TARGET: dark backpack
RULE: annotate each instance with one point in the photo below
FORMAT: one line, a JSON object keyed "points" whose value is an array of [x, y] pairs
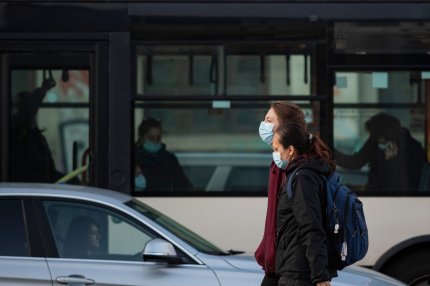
{"points": [[347, 239]]}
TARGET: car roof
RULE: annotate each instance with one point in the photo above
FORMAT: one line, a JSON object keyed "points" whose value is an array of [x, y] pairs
{"points": [[63, 191]]}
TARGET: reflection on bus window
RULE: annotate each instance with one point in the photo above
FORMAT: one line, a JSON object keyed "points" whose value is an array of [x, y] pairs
{"points": [[41, 142]]}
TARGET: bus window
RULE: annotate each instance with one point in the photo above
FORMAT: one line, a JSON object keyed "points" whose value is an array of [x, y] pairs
{"points": [[379, 132], [49, 124], [268, 74], [379, 87], [228, 70], [216, 150], [176, 70], [209, 142]]}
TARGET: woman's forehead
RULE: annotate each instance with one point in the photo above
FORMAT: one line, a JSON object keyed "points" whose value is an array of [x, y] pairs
{"points": [[275, 139], [271, 114]]}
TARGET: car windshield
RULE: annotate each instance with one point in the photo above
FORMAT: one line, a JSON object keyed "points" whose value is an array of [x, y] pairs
{"points": [[176, 228]]}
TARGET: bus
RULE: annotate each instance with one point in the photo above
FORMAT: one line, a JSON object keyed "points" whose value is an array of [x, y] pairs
{"points": [[81, 76]]}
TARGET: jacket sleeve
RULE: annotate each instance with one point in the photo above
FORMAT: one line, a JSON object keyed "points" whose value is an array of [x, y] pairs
{"points": [[307, 209], [357, 160]]}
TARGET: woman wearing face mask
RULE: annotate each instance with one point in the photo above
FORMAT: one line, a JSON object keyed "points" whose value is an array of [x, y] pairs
{"points": [[157, 169], [279, 114], [301, 251]]}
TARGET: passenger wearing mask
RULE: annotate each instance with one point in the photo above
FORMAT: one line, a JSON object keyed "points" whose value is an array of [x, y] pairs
{"points": [[395, 158], [157, 169]]}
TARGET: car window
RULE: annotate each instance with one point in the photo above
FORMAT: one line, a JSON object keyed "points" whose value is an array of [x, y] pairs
{"points": [[176, 228], [86, 231], [13, 240]]}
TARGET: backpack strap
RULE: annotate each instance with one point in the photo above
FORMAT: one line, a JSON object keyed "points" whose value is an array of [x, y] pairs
{"points": [[290, 183]]}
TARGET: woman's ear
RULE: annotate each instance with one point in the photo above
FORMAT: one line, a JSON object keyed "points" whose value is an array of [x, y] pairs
{"points": [[291, 152]]}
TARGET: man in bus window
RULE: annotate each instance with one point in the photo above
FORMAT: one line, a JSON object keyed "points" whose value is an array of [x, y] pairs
{"points": [[395, 158]]}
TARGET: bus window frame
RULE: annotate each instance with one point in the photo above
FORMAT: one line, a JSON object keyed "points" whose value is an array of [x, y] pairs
{"points": [[30, 54]]}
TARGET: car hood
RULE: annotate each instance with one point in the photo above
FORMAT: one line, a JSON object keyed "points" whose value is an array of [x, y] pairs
{"points": [[245, 262]]}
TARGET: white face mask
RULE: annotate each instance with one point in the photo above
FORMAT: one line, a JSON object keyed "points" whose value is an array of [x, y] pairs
{"points": [[282, 164], [266, 132]]}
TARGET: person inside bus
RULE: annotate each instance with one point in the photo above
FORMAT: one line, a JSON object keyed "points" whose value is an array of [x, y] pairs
{"points": [[301, 249], [31, 158], [394, 157], [279, 114], [159, 168]]}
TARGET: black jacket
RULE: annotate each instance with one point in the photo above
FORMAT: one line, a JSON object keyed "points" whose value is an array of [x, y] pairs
{"points": [[301, 251], [31, 158]]}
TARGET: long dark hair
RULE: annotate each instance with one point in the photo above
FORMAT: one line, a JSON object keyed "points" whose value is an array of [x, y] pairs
{"points": [[76, 241], [148, 123], [296, 135], [383, 125], [288, 112]]}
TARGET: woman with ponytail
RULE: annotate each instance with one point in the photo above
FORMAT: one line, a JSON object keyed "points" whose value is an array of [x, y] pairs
{"points": [[280, 113], [301, 251]]}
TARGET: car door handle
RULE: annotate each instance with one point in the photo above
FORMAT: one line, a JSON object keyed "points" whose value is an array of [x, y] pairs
{"points": [[75, 280]]}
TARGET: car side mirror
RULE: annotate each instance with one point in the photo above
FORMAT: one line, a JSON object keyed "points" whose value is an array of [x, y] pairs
{"points": [[160, 250]]}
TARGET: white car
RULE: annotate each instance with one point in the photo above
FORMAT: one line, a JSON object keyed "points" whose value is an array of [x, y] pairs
{"points": [[75, 235]]}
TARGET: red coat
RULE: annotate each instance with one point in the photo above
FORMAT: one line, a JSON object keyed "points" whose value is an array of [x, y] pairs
{"points": [[266, 251]]}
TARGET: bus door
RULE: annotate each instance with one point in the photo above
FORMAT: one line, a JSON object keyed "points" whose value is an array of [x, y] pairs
{"points": [[48, 114]]}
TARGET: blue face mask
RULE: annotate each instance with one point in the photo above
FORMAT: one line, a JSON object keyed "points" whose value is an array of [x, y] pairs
{"points": [[282, 164], [139, 183], [382, 146], [152, 147], [266, 132]]}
